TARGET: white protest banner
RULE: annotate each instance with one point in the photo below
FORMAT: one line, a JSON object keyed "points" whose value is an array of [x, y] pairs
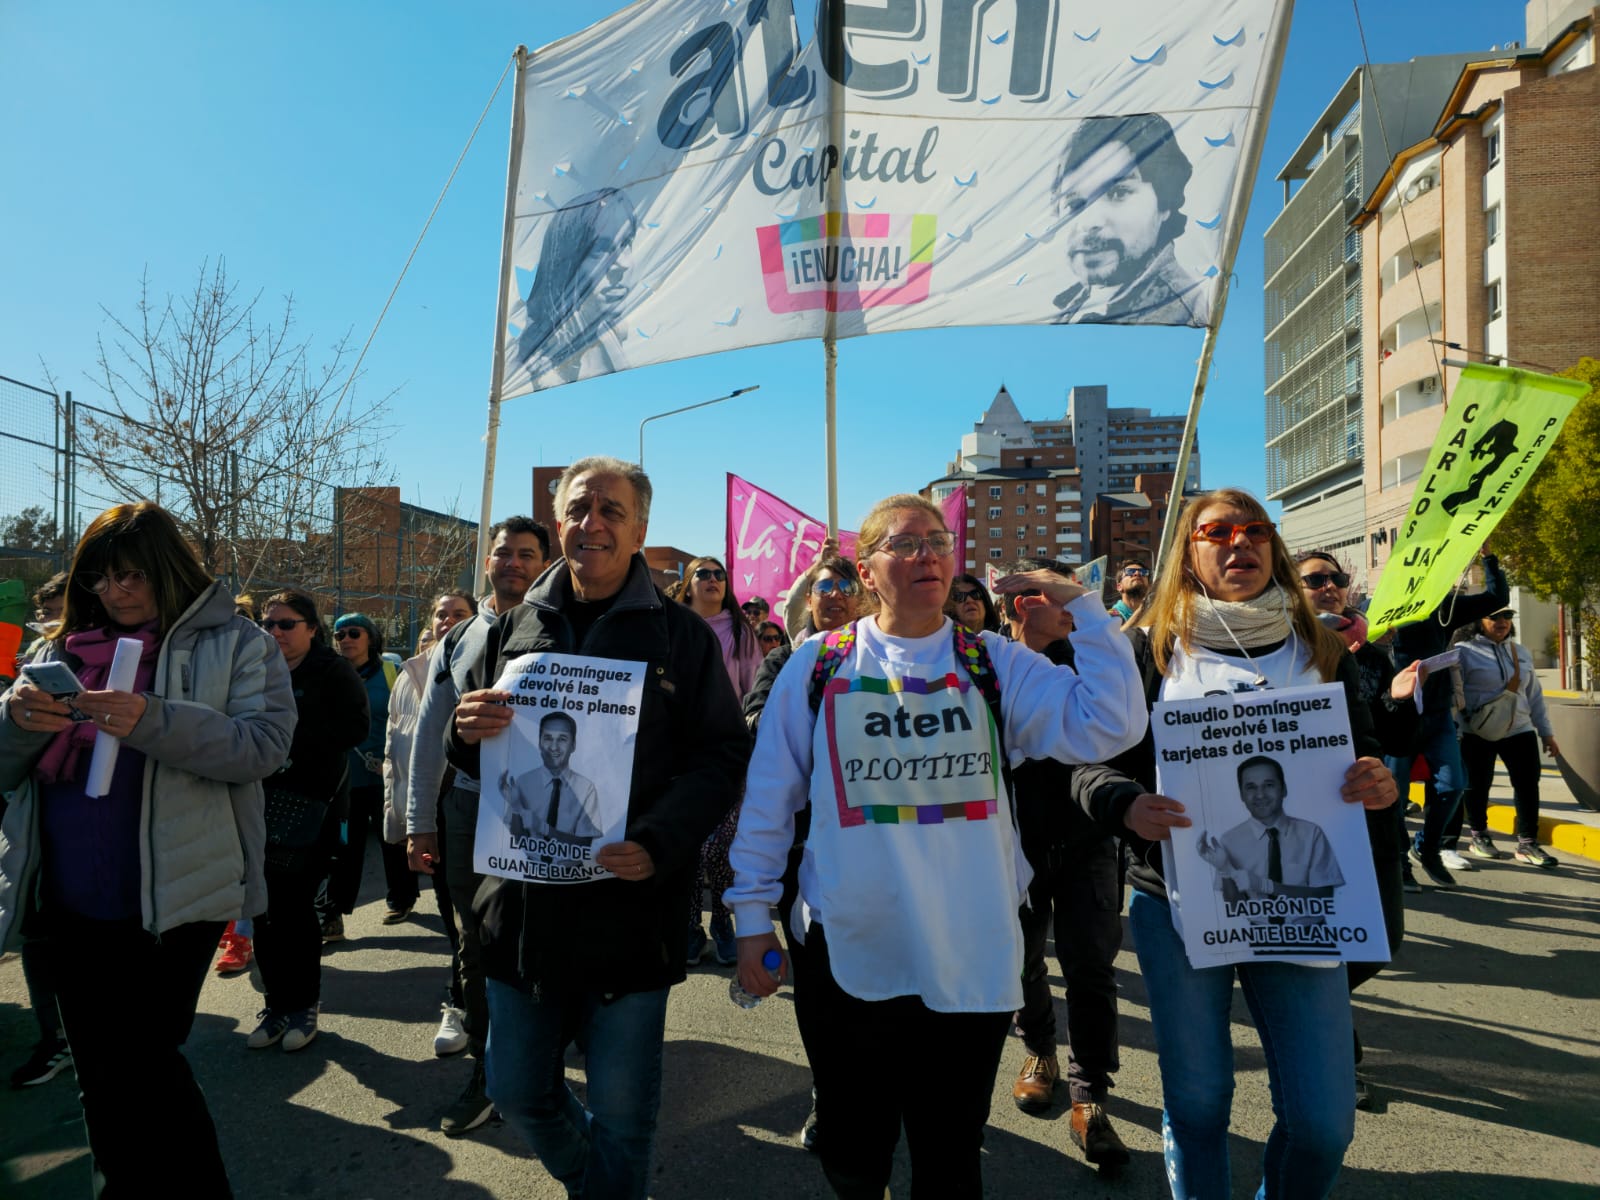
{"points": [[1093, 573], [556, 783], [1276, 865], [694, 176]]}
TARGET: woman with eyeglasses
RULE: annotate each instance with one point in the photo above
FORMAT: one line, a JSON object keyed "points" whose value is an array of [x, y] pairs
{"points": [[1230, 615], [971, 606], [709, 592], [1388, 695], [133, 887], [891, 730], [332, 703], [1493, 664]]}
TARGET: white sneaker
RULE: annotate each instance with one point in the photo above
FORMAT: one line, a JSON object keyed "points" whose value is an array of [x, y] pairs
{"points": [[452, 1036], [1454, 861]]}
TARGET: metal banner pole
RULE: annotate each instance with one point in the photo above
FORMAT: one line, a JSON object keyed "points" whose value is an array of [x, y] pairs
{"points": [[834, 216], [491, 435], [1238, 208]]}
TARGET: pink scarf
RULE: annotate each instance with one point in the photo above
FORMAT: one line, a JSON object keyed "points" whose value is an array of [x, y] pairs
{"points": [[1352, 627], [94, 648]]}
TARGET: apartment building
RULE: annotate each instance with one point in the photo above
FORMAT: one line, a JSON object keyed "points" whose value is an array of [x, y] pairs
{"points": [[1068, 487], [1480, 235], [1316, 296]]}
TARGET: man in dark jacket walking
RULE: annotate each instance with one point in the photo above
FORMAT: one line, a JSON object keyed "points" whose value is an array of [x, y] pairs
{"points": [[593, 962]]}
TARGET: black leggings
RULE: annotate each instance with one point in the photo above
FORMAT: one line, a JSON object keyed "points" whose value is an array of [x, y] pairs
{"points": [[1520, 753]]}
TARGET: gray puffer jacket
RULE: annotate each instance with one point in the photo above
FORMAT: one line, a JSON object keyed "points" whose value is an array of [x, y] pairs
{"points": [[219, 718]]}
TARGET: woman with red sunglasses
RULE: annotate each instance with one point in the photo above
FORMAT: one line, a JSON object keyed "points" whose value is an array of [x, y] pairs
{"points": [[1231, 615]]}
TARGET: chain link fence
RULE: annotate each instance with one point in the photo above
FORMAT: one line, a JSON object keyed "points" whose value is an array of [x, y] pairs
{"points": [[355, 548]]}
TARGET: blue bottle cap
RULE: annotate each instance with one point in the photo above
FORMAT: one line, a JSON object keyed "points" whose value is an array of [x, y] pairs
{"points": [[771, 960]]}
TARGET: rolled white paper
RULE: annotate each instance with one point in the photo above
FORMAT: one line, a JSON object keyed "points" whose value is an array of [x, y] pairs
{"points": [[124, 670]]}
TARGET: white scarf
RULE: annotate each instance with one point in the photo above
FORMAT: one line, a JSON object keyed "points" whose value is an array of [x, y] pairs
{"points": [[1225, 624]]}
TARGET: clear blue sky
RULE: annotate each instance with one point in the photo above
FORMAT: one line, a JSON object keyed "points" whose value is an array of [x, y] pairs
{"points": [[305, 143]]}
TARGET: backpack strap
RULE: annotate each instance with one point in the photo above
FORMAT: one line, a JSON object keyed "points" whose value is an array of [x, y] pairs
{"points": [[974, 656], [837, 645]]}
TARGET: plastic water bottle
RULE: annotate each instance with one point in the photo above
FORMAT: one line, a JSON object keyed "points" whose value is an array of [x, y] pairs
{"points": [[771, 960]]}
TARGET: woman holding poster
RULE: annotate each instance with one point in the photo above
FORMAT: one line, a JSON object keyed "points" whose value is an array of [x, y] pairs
{"points": [[898, 730], [1230, 617], [132, 883]]}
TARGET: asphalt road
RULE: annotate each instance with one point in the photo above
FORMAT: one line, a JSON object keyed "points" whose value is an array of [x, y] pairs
{"points": [[1483, 1044]]}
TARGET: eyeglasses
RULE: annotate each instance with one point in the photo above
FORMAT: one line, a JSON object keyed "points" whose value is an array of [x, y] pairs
{"points": [[284, 624], [1318, 580], [716, 573], [1503, 615], [1222, 533], [1135, 571], [962, 595], [773, 638], [101, 584], [909, 545], [341, 634], [827, 587]]}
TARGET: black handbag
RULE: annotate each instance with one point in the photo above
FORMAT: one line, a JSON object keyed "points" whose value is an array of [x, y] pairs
{"points": [[294, 828]]}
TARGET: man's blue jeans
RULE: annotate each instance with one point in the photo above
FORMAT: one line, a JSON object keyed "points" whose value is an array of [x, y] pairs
{"points": [[1303, 1016], [1436, 742], [602, 1152]]}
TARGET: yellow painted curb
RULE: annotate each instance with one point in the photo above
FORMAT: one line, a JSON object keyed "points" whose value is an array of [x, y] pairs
{"points": [[1573, 837]]}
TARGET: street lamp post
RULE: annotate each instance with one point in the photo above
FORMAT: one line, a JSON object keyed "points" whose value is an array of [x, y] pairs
{"points": [[672, 412]]}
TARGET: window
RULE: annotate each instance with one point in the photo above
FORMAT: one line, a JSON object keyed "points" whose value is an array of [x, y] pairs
{"points": [[1492, 297], [1038, 489], [994, 514], [1022, 532], [1491, 145], [1022, 489], [1491, 224], [1042, 530], [1042, 551], [995, 552], [1022, 510], [995, 531], [1039, 510]]}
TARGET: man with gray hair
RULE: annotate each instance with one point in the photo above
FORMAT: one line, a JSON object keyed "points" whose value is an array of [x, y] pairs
{"points": [[593, 961]]}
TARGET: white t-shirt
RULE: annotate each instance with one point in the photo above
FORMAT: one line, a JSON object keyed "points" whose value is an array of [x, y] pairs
{"points": [[913, 864]]}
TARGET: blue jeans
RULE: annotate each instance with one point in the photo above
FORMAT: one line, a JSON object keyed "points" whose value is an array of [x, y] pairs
{"points": [[1303, 1016], [1436, 742], [601, 1152]]}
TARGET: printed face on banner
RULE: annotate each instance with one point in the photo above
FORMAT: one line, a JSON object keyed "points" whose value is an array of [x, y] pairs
{"points": [[1276, 866], [683, 187], [556, 783]]}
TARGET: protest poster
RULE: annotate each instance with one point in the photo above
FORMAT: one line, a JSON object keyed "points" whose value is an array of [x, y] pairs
{"points": [[556, 783], [1275, 866]]}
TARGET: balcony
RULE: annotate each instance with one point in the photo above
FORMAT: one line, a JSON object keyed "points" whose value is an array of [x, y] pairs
{"points": [[1400, 299], [1423, 216]]}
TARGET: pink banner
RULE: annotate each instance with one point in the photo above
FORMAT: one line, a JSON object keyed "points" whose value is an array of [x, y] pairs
{"points": [[771, 543]]}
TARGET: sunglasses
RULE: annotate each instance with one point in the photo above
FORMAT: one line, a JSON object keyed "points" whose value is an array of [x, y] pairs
{"points": [[284, 624], [101, 584], [1503, 615], [774, 638], [1135, 571], [827, 587], [340, 635], [1222, 533], [716, 573], [909, 545], [1318, 580], [962, 595]]}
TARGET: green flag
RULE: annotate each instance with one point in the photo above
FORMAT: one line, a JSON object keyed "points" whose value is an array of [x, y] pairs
{"points": [[1498, 428]]}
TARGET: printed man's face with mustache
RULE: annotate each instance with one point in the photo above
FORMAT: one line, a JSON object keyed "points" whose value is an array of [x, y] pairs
{"points": [[1113, 219]]}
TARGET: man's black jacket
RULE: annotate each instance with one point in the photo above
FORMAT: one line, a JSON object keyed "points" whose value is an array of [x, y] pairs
{"points": [[616, 936]]}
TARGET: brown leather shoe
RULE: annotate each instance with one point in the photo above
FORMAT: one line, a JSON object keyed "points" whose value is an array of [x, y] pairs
{"points": [[1093, 1134], [1035, 1087]]}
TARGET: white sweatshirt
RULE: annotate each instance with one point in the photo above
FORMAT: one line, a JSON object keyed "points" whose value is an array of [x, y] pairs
{"points": [[913, 863]]}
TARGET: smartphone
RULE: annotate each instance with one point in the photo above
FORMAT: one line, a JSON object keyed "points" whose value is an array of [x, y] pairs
{"points": [[57, 679]]}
